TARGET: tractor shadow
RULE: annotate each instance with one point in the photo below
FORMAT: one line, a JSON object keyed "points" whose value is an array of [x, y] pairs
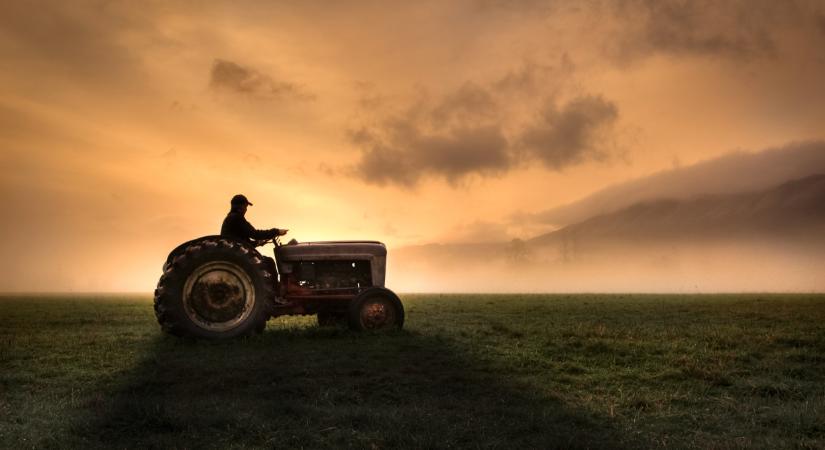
{"points": [[321, 388]]}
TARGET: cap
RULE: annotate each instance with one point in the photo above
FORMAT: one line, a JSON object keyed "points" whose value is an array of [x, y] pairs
{"points": [[240, 200]]}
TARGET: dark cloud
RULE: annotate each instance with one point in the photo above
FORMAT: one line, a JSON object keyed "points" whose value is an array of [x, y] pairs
{"points": [[233, 77], [736, 29], [468, 104], [569, 135], [521, 7], [452, 137], [368, 98], [731, 29], [70, 40], [819, 19], [462, 135], [485, 129], [401, 153], [532, 77]]}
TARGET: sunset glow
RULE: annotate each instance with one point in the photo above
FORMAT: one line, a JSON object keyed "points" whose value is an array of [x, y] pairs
{"points": [[126, 127]]}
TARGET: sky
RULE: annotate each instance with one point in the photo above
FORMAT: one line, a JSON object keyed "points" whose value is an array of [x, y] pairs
{"points": [[126, 127]]}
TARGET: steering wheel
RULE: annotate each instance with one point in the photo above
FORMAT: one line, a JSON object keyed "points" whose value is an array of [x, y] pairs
{"points": [[275, 240], [262, 242]]}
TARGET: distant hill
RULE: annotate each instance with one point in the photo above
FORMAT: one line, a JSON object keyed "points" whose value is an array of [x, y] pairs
{"points": [[794, 210], [765, 240], [789, 210], [737, 172]]}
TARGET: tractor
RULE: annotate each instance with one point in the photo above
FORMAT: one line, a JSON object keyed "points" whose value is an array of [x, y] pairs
{"points": [[216, 287]]}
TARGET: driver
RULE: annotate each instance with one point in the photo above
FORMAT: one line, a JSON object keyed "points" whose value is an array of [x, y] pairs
{"points": [[236, 226]]}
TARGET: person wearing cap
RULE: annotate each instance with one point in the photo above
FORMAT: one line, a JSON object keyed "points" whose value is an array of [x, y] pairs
{"points": [[236, 226]]}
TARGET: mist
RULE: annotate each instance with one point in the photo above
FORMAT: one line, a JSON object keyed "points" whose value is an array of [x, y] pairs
{"points": [[679, 267], [767, 240]]}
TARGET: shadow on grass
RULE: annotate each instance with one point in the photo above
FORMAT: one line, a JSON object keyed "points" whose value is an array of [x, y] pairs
{"points": [[316, 387]]}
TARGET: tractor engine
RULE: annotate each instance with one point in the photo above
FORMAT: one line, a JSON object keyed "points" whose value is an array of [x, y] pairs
{"points": [[330, 268]]}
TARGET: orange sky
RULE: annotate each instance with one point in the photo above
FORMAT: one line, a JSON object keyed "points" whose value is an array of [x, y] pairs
{"points": [[126, 127]]}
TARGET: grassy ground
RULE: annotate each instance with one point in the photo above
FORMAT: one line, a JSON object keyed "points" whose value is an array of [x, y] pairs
{"points": [[492, 371]]}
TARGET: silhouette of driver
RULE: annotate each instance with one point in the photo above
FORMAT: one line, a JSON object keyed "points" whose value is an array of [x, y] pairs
{"points": [[236, 226]]}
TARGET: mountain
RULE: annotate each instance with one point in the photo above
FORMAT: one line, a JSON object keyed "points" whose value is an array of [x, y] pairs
{"points": [[793, 209], [765, 240], [737, 172], [789, 210]]}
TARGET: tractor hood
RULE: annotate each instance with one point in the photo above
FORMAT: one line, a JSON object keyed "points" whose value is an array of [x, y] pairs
{"points": [[372, 251]]}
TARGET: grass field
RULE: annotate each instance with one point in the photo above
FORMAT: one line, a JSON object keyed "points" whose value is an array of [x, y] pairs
{"points": [[489, 371]]}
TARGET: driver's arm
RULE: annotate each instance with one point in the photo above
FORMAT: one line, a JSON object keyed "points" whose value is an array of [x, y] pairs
{"points": [[260, 235]]}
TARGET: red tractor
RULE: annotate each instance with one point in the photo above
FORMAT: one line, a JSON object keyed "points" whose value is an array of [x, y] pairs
{"points": [[214, 287]]}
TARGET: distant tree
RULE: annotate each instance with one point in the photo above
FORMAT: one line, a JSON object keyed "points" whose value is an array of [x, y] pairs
{"points": [[568, 248], [518, 251]]}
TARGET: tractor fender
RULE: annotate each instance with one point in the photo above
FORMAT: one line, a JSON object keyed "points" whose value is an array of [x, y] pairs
{"points": [[180, 248]]}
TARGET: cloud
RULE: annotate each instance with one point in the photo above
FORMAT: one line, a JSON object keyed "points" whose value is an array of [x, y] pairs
{"points": [[75, 41], [531, 77], [629, 30], [232, 77], [819, 20], [569, 135], [402, 153], [736, 30], [484, 130], [691, 27], [467, 104], [454, 137], [521, 7]]}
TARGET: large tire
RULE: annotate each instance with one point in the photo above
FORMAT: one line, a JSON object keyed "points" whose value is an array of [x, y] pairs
{"points": [[376, 309], [215, 288]]}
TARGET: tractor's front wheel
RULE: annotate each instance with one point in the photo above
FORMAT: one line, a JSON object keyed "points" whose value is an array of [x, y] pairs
{"points": [[376, 309]]}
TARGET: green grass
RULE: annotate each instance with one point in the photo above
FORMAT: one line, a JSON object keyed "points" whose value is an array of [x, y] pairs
{"points": [[489, 371]]}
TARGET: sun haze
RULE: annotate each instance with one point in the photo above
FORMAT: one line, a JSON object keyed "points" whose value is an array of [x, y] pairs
{"points": [[554, 135]]}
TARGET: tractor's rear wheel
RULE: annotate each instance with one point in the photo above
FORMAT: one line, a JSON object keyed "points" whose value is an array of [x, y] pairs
{"points": [[376, 309], [215, 288]]}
